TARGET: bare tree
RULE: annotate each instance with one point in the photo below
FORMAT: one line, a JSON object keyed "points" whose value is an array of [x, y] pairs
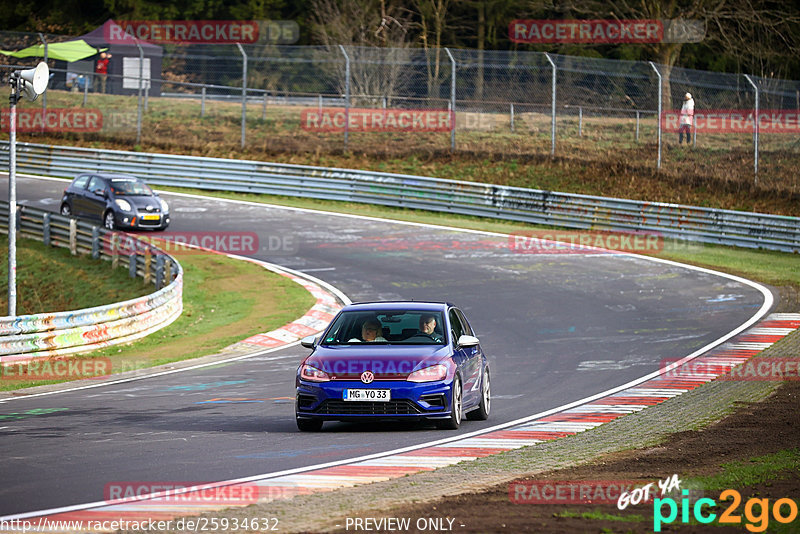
{"points": [[358, 25], [433, 18]]}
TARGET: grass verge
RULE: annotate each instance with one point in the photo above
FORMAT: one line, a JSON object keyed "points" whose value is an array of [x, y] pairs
{"points": [[52, 280], [220, 307]]}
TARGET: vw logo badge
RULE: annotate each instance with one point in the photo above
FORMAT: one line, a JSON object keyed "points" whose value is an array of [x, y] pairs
{"points": [[367, 377]]}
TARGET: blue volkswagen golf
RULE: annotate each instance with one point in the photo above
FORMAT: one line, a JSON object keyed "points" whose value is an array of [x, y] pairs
{"points": [[394, 361]]}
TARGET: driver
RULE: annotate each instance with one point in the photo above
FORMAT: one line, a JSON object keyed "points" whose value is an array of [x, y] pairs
{"points": [[369, 332], [427, 326]]}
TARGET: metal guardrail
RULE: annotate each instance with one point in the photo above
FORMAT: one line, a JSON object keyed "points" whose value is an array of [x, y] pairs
{"points": [[48, 334], [724, 227]]}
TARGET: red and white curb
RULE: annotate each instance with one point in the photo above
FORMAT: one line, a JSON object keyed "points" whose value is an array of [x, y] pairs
{"points": [[172, 505]]}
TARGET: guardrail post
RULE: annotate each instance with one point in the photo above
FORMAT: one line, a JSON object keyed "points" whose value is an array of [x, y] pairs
{"points": [[552, 107], [159, 271], [46, 229], [167, 271], [95, 242], [114, 242], [452, 100], [148, 258], [139, 95], [203, 102], [244, 90], [660, 88], [755, 129], [73, 236], [346, 95], [132, 260]]}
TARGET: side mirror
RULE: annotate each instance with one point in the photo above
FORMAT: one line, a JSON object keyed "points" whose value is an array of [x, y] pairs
{"points": [[100, 193], [468, 341], [309, 342]]}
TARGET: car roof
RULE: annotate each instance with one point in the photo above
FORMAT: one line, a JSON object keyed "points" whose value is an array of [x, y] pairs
{"points": [[117, 176], [397, 305]]}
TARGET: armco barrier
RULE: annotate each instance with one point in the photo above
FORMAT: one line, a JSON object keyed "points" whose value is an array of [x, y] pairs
{"points": [[27, 337], [692, 223]]}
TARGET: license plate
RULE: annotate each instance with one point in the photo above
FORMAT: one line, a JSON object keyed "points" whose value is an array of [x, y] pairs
{"points": [[374, 395], [151, 217]]}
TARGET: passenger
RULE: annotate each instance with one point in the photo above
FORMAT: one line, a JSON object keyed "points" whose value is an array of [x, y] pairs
{"points": [[369, 332]]}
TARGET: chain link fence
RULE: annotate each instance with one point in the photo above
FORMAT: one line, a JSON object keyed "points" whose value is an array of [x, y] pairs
{"points": [[326, 99]]}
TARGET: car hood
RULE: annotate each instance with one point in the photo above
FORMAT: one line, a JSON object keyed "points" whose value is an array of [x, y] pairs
{"points": [[384, 361]]}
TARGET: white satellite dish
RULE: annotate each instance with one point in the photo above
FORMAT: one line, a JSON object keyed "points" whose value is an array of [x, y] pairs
{"points": [[34, 81]]}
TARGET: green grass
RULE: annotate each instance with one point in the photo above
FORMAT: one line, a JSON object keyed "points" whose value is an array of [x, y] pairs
{"points": [[753, 471], [225, 301], [50, 279], [598, 515]]}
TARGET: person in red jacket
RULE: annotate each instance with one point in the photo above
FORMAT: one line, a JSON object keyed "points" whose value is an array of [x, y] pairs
{"points": [[102, 70]]}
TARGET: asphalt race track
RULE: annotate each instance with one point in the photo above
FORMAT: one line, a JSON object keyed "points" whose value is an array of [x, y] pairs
{"points": [[557, 327]]}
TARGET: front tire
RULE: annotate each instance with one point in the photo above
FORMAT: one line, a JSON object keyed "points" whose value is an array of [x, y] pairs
{"points": [[66, 210], [481, 413], [309, 425], [108, 220], [454, 421]]}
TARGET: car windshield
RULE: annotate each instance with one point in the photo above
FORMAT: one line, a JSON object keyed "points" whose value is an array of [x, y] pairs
{"points": [[130, 186], [393, 327]]}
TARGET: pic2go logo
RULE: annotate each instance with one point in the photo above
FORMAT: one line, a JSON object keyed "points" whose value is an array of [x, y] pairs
{"points": [[757, 521]]}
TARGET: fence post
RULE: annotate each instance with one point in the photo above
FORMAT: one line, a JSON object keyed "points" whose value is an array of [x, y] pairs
{"points": [[132, 259], [95, 242], [203, 102], [44, 95], [452, 100], [85, 91], [755, 129], [244, 90], [580, 121], [694, 131], [159, 271], [46, 229], [139, 98], [552, 107], [319, 104], [264, 107], [637, 126], [512, 117], [73, 236], [653, 65], [346, 95]]}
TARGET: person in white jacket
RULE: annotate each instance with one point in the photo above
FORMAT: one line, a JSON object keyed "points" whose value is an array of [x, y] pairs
{"points": [[687, 116]]}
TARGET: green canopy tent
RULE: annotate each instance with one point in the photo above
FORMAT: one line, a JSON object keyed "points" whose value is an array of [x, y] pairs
{"points": [[69, 51]]}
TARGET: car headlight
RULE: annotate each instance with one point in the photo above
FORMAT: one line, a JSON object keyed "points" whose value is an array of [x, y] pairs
{"points": [[308, 372], [124, 205], [164, 205], [429, 374]]}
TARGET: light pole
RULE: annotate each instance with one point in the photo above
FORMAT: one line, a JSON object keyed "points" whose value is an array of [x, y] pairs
{"points": [[29, 83]]}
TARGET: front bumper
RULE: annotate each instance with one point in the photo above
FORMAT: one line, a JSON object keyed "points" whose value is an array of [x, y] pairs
{"points": [[142, 221], [409, 401]]}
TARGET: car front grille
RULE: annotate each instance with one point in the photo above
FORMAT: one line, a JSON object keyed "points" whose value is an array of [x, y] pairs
{"points": [[340, 407]]}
